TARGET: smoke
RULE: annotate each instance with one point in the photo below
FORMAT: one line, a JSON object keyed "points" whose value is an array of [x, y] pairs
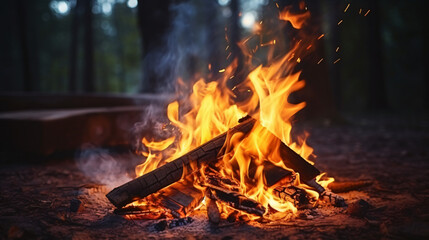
{"points": [[186, 48], [99, 165]]}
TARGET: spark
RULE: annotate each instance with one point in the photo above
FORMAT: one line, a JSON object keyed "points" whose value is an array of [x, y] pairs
{"points": [[309, 46], [348, 5], [320, 36], [336, 50], [298, 60], [277, 5], [222, 70], [210, 66], [320, 61], [267, 44], [336, 61], [360, 11], [226, 47], [367, 12], [339, 22]]}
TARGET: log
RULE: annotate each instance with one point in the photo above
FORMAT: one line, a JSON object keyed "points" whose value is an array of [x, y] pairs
{"points": [[235, 200], [181, 199], [276, 175], [341, 187], [208, 152], [293, 194], [172, 171], [213, 211]]}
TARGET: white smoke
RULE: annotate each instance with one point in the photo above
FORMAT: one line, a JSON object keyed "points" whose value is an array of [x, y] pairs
{"points": [[99, 165]]}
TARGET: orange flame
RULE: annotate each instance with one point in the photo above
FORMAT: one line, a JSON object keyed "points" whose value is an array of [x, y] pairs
{"points": [[296, 19], [211, 109]]}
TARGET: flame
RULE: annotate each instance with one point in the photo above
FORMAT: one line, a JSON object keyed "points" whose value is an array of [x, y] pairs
{"points": [[296, 19], [212, 108]]}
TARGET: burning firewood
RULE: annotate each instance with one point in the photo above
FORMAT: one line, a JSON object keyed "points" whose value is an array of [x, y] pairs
{"points": [[173, 171], [235, 200], [293, 194], [181, 199], [209, 152], [333, 199], [213, 211]]}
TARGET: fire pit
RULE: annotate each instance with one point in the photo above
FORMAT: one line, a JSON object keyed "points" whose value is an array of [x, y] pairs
{"points": [[228, 149]]}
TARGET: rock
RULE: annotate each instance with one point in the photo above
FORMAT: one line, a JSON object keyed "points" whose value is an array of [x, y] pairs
{"points": [[359, 208]]}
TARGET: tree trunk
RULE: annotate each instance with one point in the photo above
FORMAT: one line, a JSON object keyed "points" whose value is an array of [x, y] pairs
{"points": [[333, 41], [376, 85], [21, 8], [233, 40], [76, 13], [153, 21], [88, 51]]}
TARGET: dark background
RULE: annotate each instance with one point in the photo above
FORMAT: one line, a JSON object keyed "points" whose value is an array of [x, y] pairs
{"points": [[130, 46]]}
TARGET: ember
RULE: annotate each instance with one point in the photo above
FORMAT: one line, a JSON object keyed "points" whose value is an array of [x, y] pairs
{"points": [[235, 146]]}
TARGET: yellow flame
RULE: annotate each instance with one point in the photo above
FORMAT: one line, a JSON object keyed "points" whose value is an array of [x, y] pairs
{"points": [[211, 109]]}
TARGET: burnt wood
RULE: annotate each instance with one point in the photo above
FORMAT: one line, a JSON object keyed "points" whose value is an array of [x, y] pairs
{"points": [[210, 151], [181, 199], [173, 171], [235, 200], [293, 194]]}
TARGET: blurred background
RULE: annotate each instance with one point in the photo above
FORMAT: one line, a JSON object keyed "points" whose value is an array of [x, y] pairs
{"points": [[371, 57], [118, 46]]}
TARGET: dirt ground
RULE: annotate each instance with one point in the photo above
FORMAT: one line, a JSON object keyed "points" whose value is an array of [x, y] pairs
{"points": [[36, 200]]}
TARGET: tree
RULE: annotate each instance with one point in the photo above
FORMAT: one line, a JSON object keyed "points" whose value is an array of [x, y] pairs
{"points": [[376, 85], [76, 13], [153, 22], [28, 54], [88, 48]]}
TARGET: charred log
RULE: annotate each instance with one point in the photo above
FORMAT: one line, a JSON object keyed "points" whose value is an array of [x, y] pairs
{"points": [[209, 152], [173, 171], [293, 194], [235, 200], [181, 199], [213, 211]]}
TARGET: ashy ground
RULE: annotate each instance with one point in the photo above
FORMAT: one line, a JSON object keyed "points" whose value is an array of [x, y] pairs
{"points": [[36, 200]]}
